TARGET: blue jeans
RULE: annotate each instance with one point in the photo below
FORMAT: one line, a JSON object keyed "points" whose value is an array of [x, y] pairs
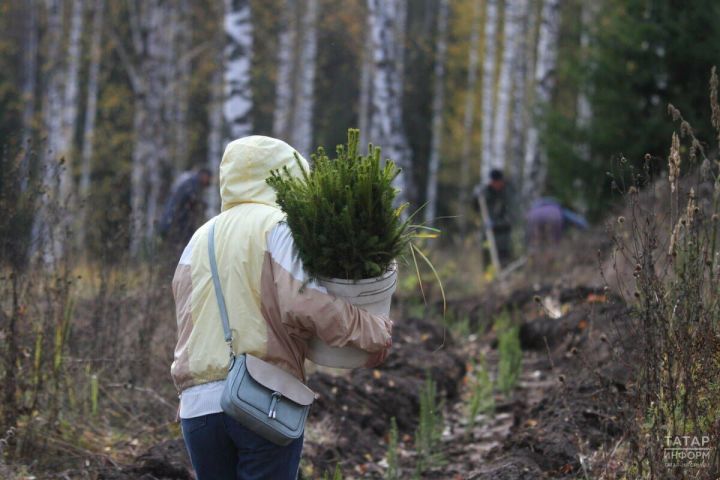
{"points": [[220, 448]]}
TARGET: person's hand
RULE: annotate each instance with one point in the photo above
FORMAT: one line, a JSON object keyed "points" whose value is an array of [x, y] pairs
{"points": [[377, 358]]}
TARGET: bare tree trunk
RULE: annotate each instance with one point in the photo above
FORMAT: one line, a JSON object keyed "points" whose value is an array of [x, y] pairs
{"points": [[437, 111], [90, 114], [535, 169], [302, 132], [215, 139], [286, 65], [181, 40], [366, 77], [469, 116], [149, 80], [515, 11], [521, 77], [386, 123], [60, 119], [488, 94], [30, 66], [238, 57], [584, 108]]}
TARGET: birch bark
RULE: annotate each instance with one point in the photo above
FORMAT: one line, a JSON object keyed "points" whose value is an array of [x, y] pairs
{"points": [[238, 56], [286, 62], [515, 11], [535, 168], [488, 89], [437, 111], [302, 132], [386, 124], [152, 43], [521, 80], [215, 139], [90, 114]]}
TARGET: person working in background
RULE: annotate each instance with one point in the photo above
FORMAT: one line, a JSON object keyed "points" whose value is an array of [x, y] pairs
{"points": [[184, 210], [497, 195], [546, 219]]}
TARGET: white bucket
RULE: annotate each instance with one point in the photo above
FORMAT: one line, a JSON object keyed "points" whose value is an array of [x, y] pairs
{"points": [[373, 295]]}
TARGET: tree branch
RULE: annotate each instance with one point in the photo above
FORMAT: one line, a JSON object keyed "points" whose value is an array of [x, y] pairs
{"points": [[135, 79]]}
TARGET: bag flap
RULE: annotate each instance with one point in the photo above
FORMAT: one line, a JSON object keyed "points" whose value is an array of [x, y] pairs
{"points": [[278, 380]]}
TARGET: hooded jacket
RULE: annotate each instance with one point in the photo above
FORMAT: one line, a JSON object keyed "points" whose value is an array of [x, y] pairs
{"points": [[261, 275]]}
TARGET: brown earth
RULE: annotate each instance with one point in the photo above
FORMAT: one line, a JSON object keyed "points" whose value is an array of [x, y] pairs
{"points": [[563, 420]]}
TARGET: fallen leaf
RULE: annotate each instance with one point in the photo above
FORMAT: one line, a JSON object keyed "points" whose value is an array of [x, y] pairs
{"points": [[582, 324], [531, 422], [377, 374], [595, 298]]}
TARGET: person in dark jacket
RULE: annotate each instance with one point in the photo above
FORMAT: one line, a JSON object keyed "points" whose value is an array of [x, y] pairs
{"points": [[183, 211], [498, 197]]}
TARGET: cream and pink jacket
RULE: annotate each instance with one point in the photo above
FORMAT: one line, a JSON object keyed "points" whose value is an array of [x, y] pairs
{"points": [[270, 315]]}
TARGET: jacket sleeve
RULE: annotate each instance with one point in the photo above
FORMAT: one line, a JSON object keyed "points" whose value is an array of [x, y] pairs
{"points": [[308, 307]]}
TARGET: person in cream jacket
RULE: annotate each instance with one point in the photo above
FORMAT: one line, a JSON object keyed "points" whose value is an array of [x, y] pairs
{"points": [[270, 315]]}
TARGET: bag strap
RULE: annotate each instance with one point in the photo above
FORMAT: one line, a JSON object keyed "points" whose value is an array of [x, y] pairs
{"points": [[218, 290]]}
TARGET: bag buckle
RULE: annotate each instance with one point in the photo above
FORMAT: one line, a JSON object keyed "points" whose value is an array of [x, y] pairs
{"points": [[272, 411]]}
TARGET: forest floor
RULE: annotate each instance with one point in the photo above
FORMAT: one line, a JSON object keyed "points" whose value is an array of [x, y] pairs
{"points": [[563, 420]]}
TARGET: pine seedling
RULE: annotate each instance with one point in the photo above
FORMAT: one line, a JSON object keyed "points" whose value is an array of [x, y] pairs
{"points": [[510, 362], [393, 469], [482, 399], [430, 427]]}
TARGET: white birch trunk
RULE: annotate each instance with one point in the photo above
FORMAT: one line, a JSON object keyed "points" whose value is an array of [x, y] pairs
{"points": [[215, 139], [438, 106], [302, 132], [238, 56], [93, 84], [52, 124], [181, 41], [515, 11], [535, 168], [584, 108], [469, 115], [30, 75], [521, 77], [150, 87], [386, 125], [286, 62], [488, 90], [366, 77], [60, 118]]}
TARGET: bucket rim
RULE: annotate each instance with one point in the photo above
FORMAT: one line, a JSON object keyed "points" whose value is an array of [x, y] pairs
{"points": [[390, 272]]}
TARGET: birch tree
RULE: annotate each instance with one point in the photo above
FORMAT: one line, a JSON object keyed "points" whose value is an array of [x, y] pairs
{"points": [[521, 81], [287, 43], [295, 89], [488, 90], [93, 84], [515, 12], [238, 56], [215, 138], [469, 115], [29, 82], [366, 76], [386, 123], [437, 110], [59, 119], [148, 70], [305, 90], [584, 108], [535, 168]]}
